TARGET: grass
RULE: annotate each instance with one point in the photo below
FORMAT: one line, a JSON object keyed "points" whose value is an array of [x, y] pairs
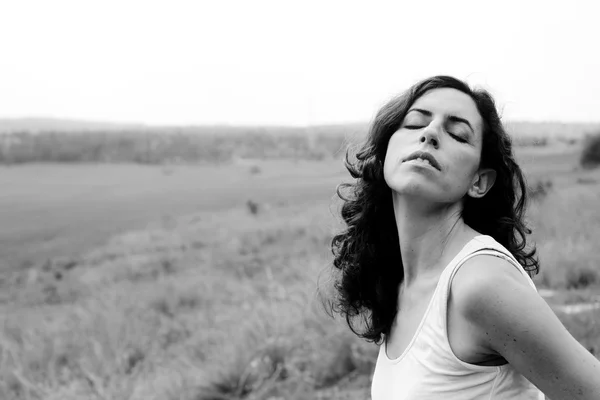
{"points": [[586, 329], [165, 146], [219, 303], [237, 303], [61, 211], [566, 225]]}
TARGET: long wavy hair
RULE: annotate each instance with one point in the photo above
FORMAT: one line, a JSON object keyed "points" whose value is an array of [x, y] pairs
{"points": [[365, 287]]}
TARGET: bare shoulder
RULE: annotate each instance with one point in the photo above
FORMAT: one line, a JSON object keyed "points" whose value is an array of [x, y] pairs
{"points": [[513, 320], [486, 285], [489, 290], [487, 271]]}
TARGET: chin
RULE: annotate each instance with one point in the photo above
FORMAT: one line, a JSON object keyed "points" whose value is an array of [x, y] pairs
{"points": [[413, 187], [425, 192]]}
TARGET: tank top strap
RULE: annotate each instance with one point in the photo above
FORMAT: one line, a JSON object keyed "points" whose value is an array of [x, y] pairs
{"points": [[487, 245], [437, 320], [481, 245]]}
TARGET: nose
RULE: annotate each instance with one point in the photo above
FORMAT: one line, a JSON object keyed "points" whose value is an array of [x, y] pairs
{"points": [[430, 135]]}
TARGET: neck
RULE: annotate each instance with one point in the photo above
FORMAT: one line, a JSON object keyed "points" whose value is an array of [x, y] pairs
{"points": [[428, 235]]}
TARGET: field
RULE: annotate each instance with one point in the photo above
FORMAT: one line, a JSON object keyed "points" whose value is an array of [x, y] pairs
{"points": [[199, 281]]}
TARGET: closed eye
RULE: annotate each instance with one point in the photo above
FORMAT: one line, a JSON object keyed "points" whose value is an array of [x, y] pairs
{"points": [[457, 138]]}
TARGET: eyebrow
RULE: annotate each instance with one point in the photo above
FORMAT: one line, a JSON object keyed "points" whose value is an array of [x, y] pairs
{"points": [[452, 118]]}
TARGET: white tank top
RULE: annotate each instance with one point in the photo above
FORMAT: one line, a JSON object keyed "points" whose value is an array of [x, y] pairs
{"points": [[428, 369]]}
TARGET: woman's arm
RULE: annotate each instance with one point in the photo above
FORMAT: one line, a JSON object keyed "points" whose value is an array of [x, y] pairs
{"points": [[512, 319]]}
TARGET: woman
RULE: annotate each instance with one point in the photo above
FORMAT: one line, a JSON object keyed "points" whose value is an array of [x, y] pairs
{"points": [[434, 264]]}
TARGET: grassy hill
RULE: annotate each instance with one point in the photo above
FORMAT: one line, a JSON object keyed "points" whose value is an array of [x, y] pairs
{"points": [[128, 281]]}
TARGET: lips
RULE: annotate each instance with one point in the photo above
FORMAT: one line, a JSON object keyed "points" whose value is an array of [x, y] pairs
{"points": [[424, 156]]}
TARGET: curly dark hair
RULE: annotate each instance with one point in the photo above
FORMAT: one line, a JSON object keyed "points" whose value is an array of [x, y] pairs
{"points": [[366, 289]]}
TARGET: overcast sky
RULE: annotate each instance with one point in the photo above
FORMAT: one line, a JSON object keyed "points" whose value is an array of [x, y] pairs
{"points": [[290, 62]]}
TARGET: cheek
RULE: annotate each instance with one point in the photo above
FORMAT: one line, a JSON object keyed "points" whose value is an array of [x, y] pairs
{"points": [[391, 155], [388, 166], [467, 165]]}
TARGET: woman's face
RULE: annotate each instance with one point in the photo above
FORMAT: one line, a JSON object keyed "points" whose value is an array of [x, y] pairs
{"points": [[446, 124]]}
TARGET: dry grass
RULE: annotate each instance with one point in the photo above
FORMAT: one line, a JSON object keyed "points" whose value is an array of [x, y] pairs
{"points": [[222, 305], [566, 227], [237, 311]]}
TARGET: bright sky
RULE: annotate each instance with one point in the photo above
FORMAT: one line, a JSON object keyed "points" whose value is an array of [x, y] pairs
{"points": [[290, 62]]}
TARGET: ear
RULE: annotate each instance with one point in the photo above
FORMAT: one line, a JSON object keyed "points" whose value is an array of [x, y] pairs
{"points": [[482, 183]]}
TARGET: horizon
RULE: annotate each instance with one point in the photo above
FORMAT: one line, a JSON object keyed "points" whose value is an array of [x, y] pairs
{"points": [[24, 124], [138, 124]]}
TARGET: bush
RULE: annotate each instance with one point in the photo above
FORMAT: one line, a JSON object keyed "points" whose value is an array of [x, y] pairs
{"points": [[252, 207], [540, 189], [590, 156], [582, 278], [530, 141]]}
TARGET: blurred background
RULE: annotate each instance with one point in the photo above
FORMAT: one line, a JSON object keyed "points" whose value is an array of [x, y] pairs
{"points": [[168, 175]]}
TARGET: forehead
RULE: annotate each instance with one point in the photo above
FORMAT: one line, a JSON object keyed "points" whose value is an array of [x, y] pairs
{"points": [[448, 101]]}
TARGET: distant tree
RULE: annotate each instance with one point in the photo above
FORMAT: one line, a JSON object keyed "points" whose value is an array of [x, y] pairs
{"points": [[6, 142], [590, 156]]}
